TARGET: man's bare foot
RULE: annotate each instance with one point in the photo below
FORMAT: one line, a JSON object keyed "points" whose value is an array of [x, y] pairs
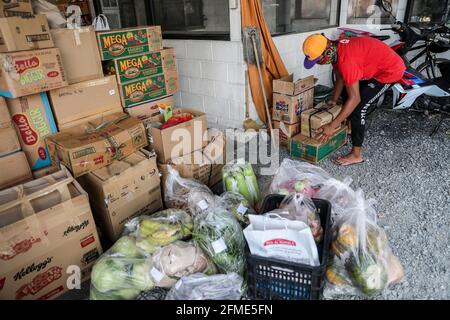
{"points": [[348, 160]]}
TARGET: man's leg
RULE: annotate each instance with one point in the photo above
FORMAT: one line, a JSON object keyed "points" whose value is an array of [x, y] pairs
{"points": [[370, 92]]}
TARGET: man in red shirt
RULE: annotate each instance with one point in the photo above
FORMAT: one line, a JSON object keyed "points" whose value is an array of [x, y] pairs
{"points": [[365, 69]]}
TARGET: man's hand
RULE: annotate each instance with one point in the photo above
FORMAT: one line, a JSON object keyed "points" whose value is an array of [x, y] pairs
{"points": [[325, 133]]}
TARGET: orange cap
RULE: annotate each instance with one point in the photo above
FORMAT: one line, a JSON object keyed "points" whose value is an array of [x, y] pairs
{"points": [[314, 46]]}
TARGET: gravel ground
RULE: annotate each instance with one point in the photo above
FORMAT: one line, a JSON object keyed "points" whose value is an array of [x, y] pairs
{"points": [[408, 173]]}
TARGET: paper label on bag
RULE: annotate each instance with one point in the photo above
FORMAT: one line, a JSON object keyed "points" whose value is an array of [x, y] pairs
{"points": [[156, 274], [112, 92], [242, 209], [203, 205], [178, 284], [219, 246]]}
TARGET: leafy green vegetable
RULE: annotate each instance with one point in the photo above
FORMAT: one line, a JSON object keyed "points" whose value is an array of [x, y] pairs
{"points": [[219, 234]]}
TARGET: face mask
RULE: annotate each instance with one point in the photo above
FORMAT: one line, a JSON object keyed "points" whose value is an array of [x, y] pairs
{"points": [[328, 57]]}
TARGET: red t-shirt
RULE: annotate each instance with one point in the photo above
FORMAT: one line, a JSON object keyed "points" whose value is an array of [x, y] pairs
{"points": [[365, 58]]}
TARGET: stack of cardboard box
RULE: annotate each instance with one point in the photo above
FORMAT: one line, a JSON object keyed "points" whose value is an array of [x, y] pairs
{"points": [[30, 66], [290, 98], [298, 120]]}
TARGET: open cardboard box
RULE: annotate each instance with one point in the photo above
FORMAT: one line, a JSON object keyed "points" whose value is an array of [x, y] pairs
{"points": [[181, 139], [46, 227]]}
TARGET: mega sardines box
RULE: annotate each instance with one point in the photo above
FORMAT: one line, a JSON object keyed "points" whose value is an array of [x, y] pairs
{"points": [[148, 89], [143, 65], [34, 121], [49, 240], [94, 145], [126, 42], [24, 73]]}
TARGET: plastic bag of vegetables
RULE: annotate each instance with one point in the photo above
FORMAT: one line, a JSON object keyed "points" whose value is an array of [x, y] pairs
{"points": [[122, 272], [236, 204], [301, 208], [361, 260], [187, 194], [160, 229], [240, 178], [202, 287], [298, 177], [176, 260], [341, 196], [220, 236]]}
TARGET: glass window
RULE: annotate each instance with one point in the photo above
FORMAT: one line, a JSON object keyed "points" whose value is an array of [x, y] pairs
{"points": [[289, 16], [178, 18], [428, 12], [192, 17], [368, 12]]}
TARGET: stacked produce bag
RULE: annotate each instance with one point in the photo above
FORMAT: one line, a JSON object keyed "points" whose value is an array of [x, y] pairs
{"points": [[195, 239], [361, 261]]}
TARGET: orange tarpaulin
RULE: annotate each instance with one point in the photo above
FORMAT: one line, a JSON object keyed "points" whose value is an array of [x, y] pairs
{"points": [[272, 65]]}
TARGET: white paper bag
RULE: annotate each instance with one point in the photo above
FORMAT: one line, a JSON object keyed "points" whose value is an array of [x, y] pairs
{"points": [[275, 237]]}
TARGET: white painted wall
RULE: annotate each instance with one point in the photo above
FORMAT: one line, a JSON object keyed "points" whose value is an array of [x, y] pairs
{"points": [[212, 73]]}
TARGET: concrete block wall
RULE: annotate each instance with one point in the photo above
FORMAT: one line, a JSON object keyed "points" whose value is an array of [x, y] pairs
{"points": [[212, 79]]}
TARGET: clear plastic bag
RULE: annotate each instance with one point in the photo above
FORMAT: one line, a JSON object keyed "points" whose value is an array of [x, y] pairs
{"points": [[179, 259], [240, 178], [361, 261], [236, 204], [122, 272], [160, 229], [220, 236], [186, 194], [298, 177], [202, 287], [301, 208]]}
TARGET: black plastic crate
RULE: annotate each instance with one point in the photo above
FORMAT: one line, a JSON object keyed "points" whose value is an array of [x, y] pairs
{"points": [[274, 279]]}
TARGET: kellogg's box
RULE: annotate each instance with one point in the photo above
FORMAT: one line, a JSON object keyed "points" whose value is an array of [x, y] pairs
{"points": [[24, 73], [126, 42], [148, 89], [33, 120], [143, 65]]}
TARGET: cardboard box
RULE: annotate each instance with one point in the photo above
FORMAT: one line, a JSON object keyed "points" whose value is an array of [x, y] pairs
{"points": [[149, 111], [289, 108], [313, 151], [14, 8], [95, 117], [127, 42], [288, 86], [314, 119], [179, 140], [291, 98], [85, 99], [30, 33], [46, 226], [27, 72], [203, 165], [33, 120], [287, 131], [45, 171], [79, 53], [15, 170], [143, 65], [123, 190], [148, 89], [94, 145], [9, 142]]}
